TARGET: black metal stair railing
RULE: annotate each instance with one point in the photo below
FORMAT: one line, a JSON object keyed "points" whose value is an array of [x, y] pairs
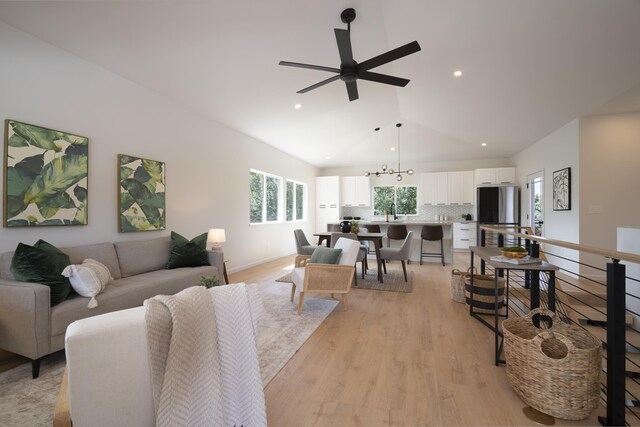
{"points": [[591, 303]]}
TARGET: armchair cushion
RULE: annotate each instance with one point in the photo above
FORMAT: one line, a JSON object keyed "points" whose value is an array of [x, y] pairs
{"points": [[322, 255]]}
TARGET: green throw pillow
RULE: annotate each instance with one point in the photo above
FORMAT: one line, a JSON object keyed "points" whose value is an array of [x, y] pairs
{"points": [[42, 263], [324, 255], [188, 253]]}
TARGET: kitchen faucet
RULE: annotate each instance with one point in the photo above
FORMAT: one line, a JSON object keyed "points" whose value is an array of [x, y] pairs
{"points": [[393, 211]]}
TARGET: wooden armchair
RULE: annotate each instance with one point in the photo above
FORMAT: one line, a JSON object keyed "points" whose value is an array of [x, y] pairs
{"points": [[326, 278]]}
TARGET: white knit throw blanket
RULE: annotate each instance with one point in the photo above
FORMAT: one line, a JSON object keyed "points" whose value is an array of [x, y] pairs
{"points": [[203, 357]]}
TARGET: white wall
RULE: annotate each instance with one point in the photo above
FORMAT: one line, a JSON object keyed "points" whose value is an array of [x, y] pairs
{"points": [[556, 151], [207, 163]]}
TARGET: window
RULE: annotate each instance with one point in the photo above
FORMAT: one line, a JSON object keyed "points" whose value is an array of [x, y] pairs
{"points": [[405, 199], [264, 197], [296, 196]]}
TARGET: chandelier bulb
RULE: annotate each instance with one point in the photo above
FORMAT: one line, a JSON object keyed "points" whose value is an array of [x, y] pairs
{"points": [[399, 177], [410, 172], [384, 168], [391, 171], [367, 174]]}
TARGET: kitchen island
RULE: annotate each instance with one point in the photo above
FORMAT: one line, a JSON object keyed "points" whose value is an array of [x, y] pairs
{"points": [[416, 227]]}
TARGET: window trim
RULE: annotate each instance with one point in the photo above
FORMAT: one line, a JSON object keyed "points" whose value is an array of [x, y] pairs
{"points": [[280, 204], [305, 200]]}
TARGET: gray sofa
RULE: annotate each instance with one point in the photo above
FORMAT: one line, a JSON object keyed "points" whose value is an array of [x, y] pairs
{"points": [[30, 327]]}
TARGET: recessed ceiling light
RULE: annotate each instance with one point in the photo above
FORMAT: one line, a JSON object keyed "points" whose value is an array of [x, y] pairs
{"points": [[457, 73], [392, 148], [484, 144], [328, 157], [297, 106]]}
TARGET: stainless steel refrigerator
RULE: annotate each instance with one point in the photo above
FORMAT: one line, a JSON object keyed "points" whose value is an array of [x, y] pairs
{"points": [[498, 205]]}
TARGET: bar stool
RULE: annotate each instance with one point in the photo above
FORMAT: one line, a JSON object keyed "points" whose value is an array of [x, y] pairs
{"points": [[396, 232], [432, 233]]}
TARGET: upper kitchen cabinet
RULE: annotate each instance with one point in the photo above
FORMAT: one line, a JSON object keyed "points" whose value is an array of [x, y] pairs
{"points": [[434, 188], [495, 176], [355, 191], [328, 190], [460, 188]]}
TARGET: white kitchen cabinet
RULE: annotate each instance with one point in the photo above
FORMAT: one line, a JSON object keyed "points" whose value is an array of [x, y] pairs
{"points": [[495, 176], [434, 188], [327, 201], [460, 188], [505, 175], [464, 235], [355, 191]]}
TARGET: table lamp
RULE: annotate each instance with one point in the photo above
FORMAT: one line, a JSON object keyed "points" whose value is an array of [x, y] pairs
{"points": [[215, 237]]}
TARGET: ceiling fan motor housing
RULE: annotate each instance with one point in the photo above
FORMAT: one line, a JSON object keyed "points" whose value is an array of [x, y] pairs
{"points": [[348, 15]]}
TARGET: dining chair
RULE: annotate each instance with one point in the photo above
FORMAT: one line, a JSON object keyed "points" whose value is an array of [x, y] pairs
{"points": [[400, 254], [303, 247], [362, 254], [396, 232]]}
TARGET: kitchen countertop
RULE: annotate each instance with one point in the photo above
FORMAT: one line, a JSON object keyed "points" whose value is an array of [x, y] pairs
{"points": [[364, 222]]}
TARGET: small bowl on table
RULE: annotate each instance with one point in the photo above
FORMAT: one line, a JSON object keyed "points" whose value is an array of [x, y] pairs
{"points": [[515, 254]]}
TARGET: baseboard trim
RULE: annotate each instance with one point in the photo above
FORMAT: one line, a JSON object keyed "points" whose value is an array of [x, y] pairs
{"points": [[262, 261]]}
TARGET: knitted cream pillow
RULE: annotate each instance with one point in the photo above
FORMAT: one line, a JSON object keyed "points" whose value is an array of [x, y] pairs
{"points": [[88, 279]]}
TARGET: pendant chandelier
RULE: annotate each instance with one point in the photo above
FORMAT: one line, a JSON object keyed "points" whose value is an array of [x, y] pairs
{"points": [[384, 167]]}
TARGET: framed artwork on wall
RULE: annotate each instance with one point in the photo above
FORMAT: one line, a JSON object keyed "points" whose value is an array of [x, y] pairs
{"points": [[562, 190], [45, 176], [141, 194]]}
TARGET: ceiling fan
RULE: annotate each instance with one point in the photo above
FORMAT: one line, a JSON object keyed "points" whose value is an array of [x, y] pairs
{"points": [[350, 70]]}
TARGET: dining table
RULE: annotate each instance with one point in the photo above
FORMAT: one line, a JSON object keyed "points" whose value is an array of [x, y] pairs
{"points": [[375, 238]]}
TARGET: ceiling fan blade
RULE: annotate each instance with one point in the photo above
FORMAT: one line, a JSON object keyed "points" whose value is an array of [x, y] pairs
{"points": [[383, 78], [311, 67], [344, 47], [352, 90], [317, 85], [387, 57]]}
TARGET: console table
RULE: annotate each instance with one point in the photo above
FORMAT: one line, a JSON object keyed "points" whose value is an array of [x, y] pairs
{"points": [[485, 254]]}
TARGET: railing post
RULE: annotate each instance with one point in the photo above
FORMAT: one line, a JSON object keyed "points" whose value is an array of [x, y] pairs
{"points": [[483, 242], [527, 274], [500, 240], [616, 326]]}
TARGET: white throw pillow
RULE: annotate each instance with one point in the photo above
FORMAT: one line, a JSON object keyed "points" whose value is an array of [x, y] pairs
{"points": [[88, 279]]}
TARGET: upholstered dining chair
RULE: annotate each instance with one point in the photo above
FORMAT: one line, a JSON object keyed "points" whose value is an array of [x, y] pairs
{"points": [[326, 278], [396, 232], [372, 228], [362, 254], [400, 254], [303, 247]]}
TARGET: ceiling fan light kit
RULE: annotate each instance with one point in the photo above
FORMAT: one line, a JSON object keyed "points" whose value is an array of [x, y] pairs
{"points": [[350, 71], [384, 167]]}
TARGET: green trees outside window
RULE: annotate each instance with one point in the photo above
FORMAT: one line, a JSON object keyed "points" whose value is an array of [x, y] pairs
{"points": [[405, 198], [264, 197], [296, 194]]}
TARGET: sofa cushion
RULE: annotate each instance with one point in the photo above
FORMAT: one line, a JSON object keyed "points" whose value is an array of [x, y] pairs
{"points": [[5, 266], [88, 279], [128, 292], [142, 256], [101, 252], [42, 263], [188, 253]]}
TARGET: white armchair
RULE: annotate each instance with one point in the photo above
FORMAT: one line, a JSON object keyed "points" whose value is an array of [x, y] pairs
{"points": [[326, 278]]}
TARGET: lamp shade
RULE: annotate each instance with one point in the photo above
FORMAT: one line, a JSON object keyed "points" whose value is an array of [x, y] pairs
{"points": [[216, 235]]}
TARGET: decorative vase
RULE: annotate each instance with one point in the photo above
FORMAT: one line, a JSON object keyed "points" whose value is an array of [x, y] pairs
{"points": [[355, 229]]}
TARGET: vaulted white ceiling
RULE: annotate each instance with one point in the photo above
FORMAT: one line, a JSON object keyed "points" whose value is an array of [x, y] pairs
{"points": [[529, 67]]}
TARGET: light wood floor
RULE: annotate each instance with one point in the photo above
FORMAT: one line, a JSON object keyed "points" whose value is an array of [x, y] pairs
{"points": [[395, 359]]}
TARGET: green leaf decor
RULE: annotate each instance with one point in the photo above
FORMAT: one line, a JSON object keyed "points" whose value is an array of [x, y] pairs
{"points": [[46, 173], [141, 203]]}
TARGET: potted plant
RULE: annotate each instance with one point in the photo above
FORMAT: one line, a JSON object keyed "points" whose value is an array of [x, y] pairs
{"points": [[209, 282], [355, 228]]}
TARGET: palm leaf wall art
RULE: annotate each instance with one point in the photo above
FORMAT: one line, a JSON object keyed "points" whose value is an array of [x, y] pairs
{"points": [[141, 194], [45, 176]]}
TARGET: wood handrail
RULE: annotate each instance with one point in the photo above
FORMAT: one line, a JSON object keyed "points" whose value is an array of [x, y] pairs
{"points": [[622, 256]]}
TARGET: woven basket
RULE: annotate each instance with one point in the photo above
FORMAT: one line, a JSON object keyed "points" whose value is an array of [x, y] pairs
{"points": [[557, 370], [484, 299], [457, 284]]}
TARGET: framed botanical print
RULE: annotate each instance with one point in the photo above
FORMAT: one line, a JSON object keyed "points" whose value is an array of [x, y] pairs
{"points": [[141, 194], [45, 176], [562, 190]]}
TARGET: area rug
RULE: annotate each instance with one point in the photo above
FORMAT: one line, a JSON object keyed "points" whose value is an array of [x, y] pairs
{"points": [[281, 332], [393, 281]]}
